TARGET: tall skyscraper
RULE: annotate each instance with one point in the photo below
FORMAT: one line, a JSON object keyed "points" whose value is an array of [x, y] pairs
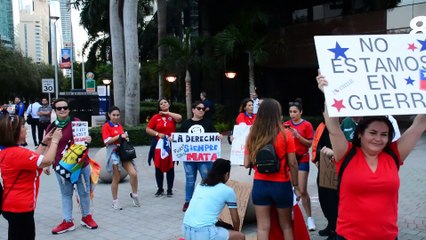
{"points": [[34, 31], [67, 34], [7, 36]]}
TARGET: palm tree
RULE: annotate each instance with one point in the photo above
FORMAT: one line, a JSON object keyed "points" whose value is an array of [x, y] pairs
{"points": [[182, 54], [162, 31], [248, 37]]}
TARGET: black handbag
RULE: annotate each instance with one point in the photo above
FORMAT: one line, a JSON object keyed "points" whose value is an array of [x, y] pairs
{"points": [[125, 150]]}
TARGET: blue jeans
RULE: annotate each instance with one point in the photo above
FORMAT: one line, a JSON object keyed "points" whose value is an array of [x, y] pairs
{"points": [[205, 233], [191, 175], [67, 190]]}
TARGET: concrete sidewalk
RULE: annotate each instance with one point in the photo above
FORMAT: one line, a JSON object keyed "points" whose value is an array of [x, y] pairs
{"points": [[161, 218]]}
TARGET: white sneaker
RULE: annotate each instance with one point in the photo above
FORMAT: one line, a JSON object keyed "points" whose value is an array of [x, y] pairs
{"points": [[135, 199], [311, 224], [116, 205]]}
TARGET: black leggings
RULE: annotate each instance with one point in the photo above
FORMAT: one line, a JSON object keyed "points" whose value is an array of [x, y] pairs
{"points": [[170, 175], [21, 225]]}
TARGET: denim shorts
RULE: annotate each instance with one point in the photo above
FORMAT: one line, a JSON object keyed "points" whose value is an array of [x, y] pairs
{"points": [[205, 233], [304, 166], [115, 158], [268, 193]]}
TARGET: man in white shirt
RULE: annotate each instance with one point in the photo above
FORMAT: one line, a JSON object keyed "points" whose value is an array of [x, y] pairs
{"points": [[32, 111]]}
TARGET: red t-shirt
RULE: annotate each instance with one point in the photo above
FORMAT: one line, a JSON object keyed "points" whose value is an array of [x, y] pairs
{"points": [[22, 162], [244, 118], [163, 124], [368, 201], [281, 149], [305, 129], [110, 130]]}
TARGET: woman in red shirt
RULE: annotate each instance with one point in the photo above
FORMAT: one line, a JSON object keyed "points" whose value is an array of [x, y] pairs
{"points": [[246, 114], [303, 134], [368, 196], [161, 125], [20, 169], [272, 188], [111, 132]]}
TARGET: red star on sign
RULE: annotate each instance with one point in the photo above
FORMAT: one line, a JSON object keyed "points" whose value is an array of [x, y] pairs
{"points": [[411, 47], [338, 104]]}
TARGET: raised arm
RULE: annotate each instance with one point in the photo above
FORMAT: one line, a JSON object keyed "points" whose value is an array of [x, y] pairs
{"points": [[409, 138], [337, 138]]}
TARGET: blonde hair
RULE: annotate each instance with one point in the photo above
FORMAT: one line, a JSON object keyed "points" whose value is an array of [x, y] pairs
{"points": [[266, 127]]}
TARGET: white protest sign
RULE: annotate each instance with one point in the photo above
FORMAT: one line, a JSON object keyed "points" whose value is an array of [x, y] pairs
{"points": [[200, 147], [373, 74], [80, 131], [240, 134]]}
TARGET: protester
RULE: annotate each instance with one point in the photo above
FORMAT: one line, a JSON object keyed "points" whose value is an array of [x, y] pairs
{"points": [[303, 134], [112, 131], [246, 114], [208, 104], [328, 197], [160, 126], [210, 197], [44, 116], [272, 188], [368, 194], [19, 107], [256, 102], [20, 169], [63, 121], [32, 110], [196, 124]]}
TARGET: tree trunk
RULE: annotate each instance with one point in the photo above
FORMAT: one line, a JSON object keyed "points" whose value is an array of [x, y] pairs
{"points": [[162, 31], [117, 49], [252, 88], [188, 96], [132, 102]]}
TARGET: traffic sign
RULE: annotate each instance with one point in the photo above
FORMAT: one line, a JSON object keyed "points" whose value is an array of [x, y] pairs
{"points": [[47, 85]]}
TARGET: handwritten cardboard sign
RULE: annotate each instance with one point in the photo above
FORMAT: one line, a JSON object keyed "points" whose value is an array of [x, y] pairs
{"points": [[80, 131], [373, 74], [240, 134], [200, 147], [327, 174], [243, 192]]}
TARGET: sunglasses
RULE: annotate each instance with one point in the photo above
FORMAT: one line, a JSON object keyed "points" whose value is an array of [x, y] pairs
{"points": [[62, 108], [294, 104], [201, 108]]}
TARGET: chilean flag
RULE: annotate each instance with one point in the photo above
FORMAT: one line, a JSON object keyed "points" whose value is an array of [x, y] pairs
{"points": [[300, 231], [423, 79], [162, 156]]}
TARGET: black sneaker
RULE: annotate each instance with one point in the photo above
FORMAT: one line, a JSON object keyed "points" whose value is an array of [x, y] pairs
{"points": [[160, 192], [325, 232], [332, 235], [169, 193]]}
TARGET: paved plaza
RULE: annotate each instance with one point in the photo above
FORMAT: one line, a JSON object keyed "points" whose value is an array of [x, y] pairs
{"points": [[161, 218]]}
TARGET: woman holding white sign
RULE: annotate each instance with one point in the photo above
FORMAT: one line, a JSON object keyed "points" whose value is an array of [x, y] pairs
{"points": [[368, 193], [272, 189], [112, 131], [197, 124], [63, 121], [163, 125]]}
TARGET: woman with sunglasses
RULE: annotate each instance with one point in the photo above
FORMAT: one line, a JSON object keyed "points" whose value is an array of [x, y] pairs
{"points": [[163, 125], [20, 169], [303, 134], [196, 124], [112, 131], [63, 121]]}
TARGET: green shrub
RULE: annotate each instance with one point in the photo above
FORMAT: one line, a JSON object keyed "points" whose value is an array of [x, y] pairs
{"points": [[223, 126], [137, 136]]}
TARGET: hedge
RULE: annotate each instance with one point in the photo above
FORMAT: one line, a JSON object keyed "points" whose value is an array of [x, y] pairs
{"points": [[137, 135]]}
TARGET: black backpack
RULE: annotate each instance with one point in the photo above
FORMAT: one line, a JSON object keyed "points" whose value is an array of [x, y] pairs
{"points": [[351, 154], [267, 160]]}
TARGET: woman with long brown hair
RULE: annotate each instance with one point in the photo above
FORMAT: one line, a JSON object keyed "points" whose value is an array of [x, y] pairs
{"points": [[272, 189]]}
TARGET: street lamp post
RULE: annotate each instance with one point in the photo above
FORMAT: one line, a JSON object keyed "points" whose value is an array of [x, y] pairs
{"points": [[107, 83], [55, 60]]}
